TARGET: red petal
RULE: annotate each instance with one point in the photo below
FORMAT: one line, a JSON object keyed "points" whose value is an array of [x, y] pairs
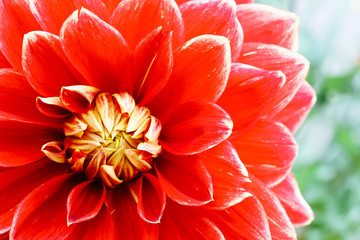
{"points": [[266, 24], [294, 114], [183, 223], [42, 214], [213, 17], [96, 6], [295, 205], [78, 98], [228, 175], [194, 127], [184, 179], [153, 63], [3, 62], [271, 57], [267, 150], [246, 220], [51, 13], [45, 64], [21, 142], [99, 228], [85, 201], [18, 182], [201, 70], [20, 100], [111, 4], [128, 223], [145, 16], [248, 92], [150, 196], [279, 222], [16, 20], [90, 44], [52, 107]]}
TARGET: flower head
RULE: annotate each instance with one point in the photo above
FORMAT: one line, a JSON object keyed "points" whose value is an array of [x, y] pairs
{"points": [[150, 119]]}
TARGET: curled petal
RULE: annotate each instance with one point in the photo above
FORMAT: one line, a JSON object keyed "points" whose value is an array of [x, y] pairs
{"points": [[216, 17], [95, 163], [148, 15], [52, 107], [153, 132], [109, 177], [294, 114], [90, 43], [78, 98], [275, 58], [106, 108], [266, 24], [290, 197], [138, 116], [21, 142], [85, 201], [150, 197], [56, 151], [194, 127], [20, 100]]}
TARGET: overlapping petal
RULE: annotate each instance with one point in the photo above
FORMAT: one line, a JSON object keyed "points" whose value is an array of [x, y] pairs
{"points": [[45, 206], [194, 127], [272, 57], [201, 70], [290, 197], [18, 182], [45, 64], [267, 151], [16, 20], [149, 14], [248, 93], [213, 17], [294, 114], [89, 43], [266, 24]]}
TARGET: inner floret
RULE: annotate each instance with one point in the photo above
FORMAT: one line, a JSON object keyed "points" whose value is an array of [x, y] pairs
{"points": [[114, 140]]}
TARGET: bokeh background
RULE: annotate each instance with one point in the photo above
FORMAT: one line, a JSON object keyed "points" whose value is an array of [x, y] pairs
{"points": [[328, 164]]}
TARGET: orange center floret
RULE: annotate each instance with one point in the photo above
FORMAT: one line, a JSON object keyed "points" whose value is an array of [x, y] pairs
{"points": [[114, 140]]}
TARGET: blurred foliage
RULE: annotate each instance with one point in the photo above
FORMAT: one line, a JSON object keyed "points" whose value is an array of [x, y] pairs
{"points": [[328, 163]]}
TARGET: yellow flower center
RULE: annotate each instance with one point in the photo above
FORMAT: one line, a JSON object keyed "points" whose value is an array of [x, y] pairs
{"points": [[114, 140]]}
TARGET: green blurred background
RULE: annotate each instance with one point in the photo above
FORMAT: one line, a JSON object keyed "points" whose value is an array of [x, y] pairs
{"points": [[328, 163]]}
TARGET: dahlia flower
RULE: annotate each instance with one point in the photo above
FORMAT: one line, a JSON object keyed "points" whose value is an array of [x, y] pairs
{"points": [[150, 119]]}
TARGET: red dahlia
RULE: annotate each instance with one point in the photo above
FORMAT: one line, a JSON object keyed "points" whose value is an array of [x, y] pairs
{"points": [[150, 119]]}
